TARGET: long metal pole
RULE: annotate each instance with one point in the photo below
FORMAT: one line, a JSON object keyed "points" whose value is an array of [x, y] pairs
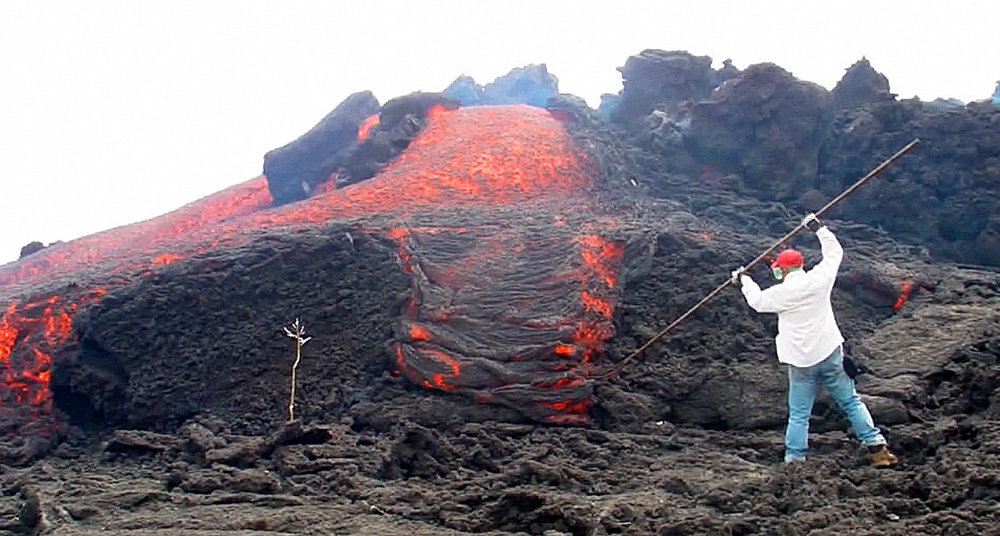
{"points": [[613, 371]]}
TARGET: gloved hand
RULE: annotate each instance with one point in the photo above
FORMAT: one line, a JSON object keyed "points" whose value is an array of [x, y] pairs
{"points": [[735, 276], [811, 222]]}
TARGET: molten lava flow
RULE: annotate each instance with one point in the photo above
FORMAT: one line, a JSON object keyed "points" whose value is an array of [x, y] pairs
{"points": [[905, 289], [564, 349], [166, 258], [366, 125], [481, 156], [602, 259], [419, 333], [505, 272], [325, 187], [513, 283], [136, 247], [8, 332], [38, 327], [524, 290], [436, 111], [596, 305]]}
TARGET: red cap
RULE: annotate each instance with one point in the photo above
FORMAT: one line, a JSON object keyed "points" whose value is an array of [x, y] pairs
{"points": [[787, 259]]}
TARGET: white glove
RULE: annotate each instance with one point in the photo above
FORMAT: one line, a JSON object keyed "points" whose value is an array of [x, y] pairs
{"points": [[735, 279], [811, 222]]}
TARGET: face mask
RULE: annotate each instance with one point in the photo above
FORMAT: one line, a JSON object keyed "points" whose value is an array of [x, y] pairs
{"points": [[777, 273]]}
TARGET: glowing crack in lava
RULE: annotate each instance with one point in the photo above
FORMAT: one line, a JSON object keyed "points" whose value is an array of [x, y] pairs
{"points": [[38, 328], [366, 126], [512, 279], [905, 289]]}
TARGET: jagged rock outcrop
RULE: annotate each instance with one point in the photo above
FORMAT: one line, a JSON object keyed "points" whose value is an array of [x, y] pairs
{"points": [[728, 71], [658, 79], [400, 121], [765, 126], [465, 90], [531, 84], [861, 85], [943, 195], [339, 149], [769, 135], [31, 247], [295, 169]]}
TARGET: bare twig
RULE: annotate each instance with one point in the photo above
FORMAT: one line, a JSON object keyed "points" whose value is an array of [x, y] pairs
{"points": [[296, 331]]}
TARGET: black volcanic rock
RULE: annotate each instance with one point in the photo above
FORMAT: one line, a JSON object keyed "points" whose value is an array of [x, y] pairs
{"points": [[987, 243], [531, 84], [661, 79], [861, 85], [295, 169], [944, 196], [728, 71], [30, 248], [172, 393], [128, 374], [400, 121], [465, 90], [415, 104], [765, 125]]}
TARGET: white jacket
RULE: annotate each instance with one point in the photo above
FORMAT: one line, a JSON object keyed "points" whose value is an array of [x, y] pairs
{"points": [[807, 330]]}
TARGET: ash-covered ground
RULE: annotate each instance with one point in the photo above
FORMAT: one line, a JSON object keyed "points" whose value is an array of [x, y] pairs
{"points": [[170, 399]]}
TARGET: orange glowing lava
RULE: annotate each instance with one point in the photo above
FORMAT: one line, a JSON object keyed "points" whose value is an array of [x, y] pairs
{"points": [[39, 327], [905, 289], [564, 349], [520, 155], [419, 333], [498, 184], [146, 244], [370, 122], [602, 257], [166, 258], [436, 111], [573, 407], [8, 332]]}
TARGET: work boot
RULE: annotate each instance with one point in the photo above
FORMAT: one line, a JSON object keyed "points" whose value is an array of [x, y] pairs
{"points": [[881, 457]]}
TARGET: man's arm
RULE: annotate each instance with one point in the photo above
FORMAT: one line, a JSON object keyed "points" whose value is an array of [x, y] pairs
{"points": [[762, 301], [833, 254]]}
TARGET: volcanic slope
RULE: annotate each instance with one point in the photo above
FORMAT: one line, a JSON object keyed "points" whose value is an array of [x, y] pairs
{"points": [[511, 283], [173, 377]]}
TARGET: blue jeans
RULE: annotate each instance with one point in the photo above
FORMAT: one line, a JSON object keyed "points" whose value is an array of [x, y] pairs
{"points": [[802, 393]]}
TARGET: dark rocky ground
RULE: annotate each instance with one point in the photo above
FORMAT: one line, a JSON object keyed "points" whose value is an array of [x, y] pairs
{"points": [[173, 399]]}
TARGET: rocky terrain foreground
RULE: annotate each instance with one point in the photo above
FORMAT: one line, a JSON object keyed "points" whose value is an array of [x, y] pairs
{"points": [[467, 263]]}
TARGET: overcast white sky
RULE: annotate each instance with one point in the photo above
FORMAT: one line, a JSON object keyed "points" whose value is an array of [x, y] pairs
{"points": [[117, 111]]}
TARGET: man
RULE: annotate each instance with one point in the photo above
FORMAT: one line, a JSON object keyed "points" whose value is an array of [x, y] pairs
{"points": [[810, 343]]}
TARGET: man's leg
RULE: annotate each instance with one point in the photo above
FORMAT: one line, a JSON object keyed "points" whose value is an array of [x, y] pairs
{"points": [[841, 387], [801, 394]]}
